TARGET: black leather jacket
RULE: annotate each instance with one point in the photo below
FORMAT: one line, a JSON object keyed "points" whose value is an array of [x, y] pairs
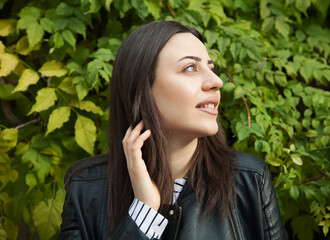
{"points": [[254, 214]]}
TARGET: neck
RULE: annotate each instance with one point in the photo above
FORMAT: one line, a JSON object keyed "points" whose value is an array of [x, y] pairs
{"points": [[181, 153]]}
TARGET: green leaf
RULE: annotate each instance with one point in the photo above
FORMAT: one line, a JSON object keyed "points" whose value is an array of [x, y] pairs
{"points": [[89, 106], [27, 78], [223, 43], [64, 9], [45, 99], [322, 6], [276, 162], [261, 146], [296, 159], [294, 192], [81, 87], [154, 7], [238, 92], [41, 164], [280, 79], [53, 68], [69, 38], [58, 40], [47, 24], [34, 33], [57, 118], [228, 87], [6, 92], [103, 54], [306, 72], [243, 131], [282, 27], [77, 26], [60, 24], [85, 133], [235, 48], [264, 9], [30, 180], [303, 5], [267, 24], [108, 3]]}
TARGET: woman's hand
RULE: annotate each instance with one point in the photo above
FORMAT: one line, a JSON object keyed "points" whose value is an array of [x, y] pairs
{"points": [[144, 188]]}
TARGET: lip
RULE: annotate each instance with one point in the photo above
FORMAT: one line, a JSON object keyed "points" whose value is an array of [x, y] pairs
{"points": [[210, 100]]}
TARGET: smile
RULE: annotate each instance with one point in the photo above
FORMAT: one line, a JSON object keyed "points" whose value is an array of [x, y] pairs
{"points": [[210, 105]]}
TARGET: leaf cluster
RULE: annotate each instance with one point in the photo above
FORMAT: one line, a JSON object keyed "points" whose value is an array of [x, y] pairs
{"points": [[56, 60]]}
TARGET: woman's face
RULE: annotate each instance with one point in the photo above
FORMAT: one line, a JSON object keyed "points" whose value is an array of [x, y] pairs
{"points": [[186, 90]]}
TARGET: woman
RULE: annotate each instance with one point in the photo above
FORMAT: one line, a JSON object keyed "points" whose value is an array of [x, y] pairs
{"points": [[169, 173]]}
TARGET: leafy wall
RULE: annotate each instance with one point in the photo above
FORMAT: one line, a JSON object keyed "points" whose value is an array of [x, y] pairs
{"points": [[55, 67]]}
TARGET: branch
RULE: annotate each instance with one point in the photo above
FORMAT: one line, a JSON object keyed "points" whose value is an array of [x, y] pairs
{"points": [[170, 9], [314, 178], [27, 123], [244, 99]]}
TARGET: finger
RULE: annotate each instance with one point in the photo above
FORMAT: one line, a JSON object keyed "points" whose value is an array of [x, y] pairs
{"points": [[128, 132], [135, 133], [140, 140], [136, 153], [124, 141]]}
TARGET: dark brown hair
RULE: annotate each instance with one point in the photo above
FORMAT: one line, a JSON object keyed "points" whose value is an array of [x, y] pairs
{"points": [[131, 101]]}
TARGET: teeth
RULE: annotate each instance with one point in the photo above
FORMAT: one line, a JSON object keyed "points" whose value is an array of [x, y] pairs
{"points": [[208, 106]]}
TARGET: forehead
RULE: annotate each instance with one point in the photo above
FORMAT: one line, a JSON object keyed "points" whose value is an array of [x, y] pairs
{"points": [[183, 44]]}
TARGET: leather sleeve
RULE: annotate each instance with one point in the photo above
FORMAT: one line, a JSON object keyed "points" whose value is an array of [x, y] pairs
{"points": [[70, 224], [127, 230], [84, 215], [272, 219]]}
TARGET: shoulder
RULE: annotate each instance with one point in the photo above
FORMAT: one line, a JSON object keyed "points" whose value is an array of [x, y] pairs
{"points": [[91, 168], [245, 162]]}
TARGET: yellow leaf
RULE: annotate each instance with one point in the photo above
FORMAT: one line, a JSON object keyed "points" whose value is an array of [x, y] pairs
{"points": [[7, 27], [47, 217], [296, 159], [85, 133], [45, 99], [53, 68], [12, 229], [19, 69], [66, 86], [2, 47], [8, 139], [28, 78], [3, 234], [57, 118], [8, 63], [89, 106], [22, 46]]}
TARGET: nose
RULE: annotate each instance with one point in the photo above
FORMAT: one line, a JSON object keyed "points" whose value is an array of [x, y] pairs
{"points": [[211, 81]]}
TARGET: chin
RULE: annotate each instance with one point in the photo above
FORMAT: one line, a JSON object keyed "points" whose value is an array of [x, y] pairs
{"points": [[209, 131]]}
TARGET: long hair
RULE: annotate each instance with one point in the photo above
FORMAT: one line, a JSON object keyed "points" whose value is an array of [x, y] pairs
{"points": [[130, 102]]}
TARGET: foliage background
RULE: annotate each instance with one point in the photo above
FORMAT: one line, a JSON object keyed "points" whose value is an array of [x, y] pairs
{"points": [[55, 67]]}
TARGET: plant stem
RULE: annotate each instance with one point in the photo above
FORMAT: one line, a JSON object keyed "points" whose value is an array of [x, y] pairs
{"points": [[27, 123]]}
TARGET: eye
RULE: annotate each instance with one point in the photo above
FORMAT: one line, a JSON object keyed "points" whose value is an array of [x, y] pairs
{"points": [[191, 68]]}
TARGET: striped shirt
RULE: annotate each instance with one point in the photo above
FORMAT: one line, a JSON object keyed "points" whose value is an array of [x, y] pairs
{"points": [[150, 222]]}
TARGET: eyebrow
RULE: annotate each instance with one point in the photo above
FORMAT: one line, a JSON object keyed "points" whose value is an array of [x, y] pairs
{"points": [[195, 58]]}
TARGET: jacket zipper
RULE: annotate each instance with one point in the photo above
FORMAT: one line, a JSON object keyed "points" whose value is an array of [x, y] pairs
{"points": [[178, 222], [232, 226]]}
